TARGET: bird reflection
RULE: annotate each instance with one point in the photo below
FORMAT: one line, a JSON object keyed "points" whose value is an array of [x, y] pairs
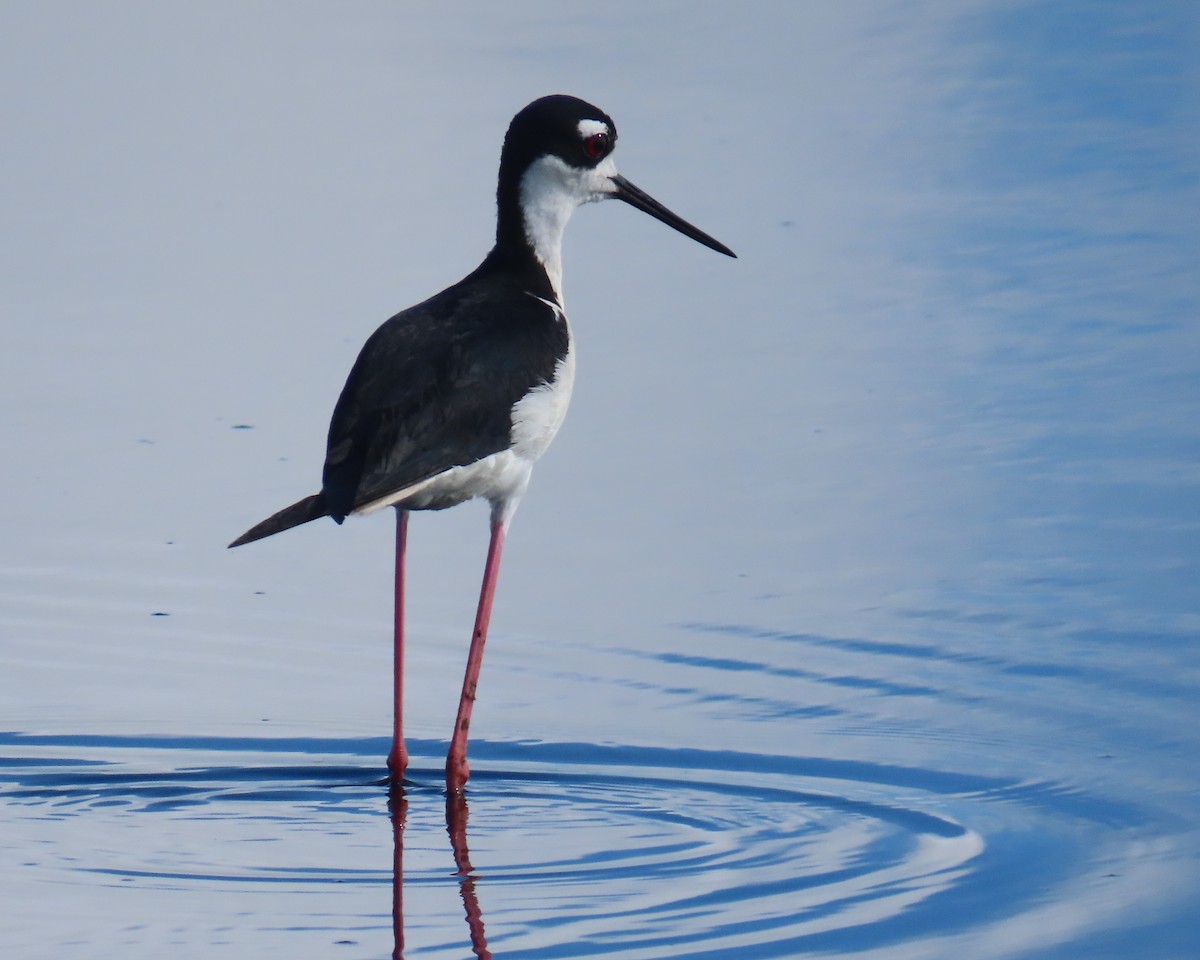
{"points": [[456, 827]]}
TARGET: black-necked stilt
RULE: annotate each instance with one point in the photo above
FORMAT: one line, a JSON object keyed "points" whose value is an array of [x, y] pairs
{"points": [[456, 397]]}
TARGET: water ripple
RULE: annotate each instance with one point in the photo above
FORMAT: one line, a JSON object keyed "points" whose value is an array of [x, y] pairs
{"points": [[571, 850]]}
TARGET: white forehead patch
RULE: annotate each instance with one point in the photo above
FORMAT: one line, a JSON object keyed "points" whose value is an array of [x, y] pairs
{"points": [[589, 128]]}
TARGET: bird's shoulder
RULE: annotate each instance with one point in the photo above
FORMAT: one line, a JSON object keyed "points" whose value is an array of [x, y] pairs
{"points": [[477, 332]]}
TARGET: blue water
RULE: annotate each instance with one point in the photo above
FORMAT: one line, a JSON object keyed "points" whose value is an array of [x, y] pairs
{"points": [[572, 849], [854, 611]]}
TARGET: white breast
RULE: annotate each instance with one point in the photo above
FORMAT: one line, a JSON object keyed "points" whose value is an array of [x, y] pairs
{"points": [[537, 416]]}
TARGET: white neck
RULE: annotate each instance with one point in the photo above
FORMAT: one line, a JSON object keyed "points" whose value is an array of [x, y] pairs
{"points": [[550, 191]]}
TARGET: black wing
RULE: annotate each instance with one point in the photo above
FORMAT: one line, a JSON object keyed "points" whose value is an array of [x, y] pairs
{"points": [[432, 388]]}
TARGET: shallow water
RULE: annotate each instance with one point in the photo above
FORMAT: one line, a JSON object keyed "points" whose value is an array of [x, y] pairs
{"points": [[854, 610], [570, 849]]}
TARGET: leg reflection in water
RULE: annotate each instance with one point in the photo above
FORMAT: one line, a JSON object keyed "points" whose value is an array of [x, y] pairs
{"points": [[397, 812], [456, 827]]}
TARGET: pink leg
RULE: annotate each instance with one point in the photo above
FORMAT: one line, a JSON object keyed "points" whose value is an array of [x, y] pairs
{"points": [[398, 759], [457, 771]]}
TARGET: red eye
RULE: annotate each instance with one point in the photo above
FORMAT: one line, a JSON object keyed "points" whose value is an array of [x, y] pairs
{"points": [[596, 146]]}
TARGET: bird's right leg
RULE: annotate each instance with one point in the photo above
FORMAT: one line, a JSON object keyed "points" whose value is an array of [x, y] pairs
{"points": [[398, 759]]}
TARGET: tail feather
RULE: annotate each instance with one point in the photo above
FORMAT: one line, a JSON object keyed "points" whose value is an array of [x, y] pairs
{"points": [[310, 508]]}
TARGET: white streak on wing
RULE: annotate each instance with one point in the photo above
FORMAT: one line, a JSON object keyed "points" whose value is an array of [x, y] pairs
{"points": [[500, 478], [558, 310]]}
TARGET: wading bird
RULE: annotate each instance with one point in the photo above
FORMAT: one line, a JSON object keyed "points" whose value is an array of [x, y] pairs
{"points": [[457, 397]]}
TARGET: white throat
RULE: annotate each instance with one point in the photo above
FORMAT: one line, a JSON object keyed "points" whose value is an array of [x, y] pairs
{"points": [[550, 191]]}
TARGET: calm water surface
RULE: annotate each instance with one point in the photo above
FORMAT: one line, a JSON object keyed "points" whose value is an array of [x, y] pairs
{"points": [[854, 612]]}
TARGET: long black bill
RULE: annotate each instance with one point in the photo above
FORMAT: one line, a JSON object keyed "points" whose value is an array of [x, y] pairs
{"points": [[636, 197]]}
